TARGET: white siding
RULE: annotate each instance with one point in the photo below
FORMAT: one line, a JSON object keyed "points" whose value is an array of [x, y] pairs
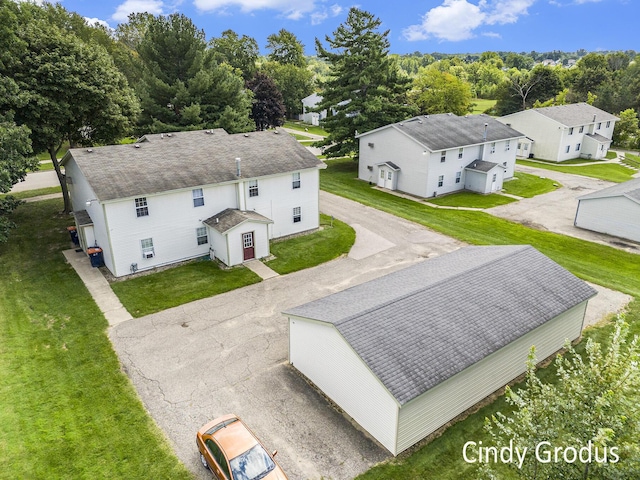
{"points": [[547, 134], [171, 223], [277, 198], [322, 355], [436, 407], [616, 216], [235, 244]]}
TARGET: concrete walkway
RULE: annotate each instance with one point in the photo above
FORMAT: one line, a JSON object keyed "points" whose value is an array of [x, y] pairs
{"points": [[98, 287], [260, 269]]}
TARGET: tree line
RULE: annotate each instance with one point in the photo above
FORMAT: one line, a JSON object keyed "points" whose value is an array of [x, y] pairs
{"points": [[64, 81]]}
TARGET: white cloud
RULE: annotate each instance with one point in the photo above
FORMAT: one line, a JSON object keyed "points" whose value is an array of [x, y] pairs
{"points": [[97, 21], [155, 7], [293, 9], [457, 20], [320, 15]]}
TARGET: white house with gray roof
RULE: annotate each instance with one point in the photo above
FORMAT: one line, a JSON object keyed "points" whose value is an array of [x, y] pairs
{"points": [[614, 210], [406, 353], [563, 132], [177, 196], [432, 155]]}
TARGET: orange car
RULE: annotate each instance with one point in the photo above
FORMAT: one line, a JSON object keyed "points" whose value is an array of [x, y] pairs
{"points": [[232, 452]]}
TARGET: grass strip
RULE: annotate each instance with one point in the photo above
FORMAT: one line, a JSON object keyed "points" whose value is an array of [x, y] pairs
{"points": [[334, 238], [528, 186], [471, 200], [68, 410], [611, 172]]}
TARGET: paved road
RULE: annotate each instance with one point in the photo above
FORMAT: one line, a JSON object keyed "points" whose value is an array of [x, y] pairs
{"points": [[35, 180], [555, 211], [228, 353]]}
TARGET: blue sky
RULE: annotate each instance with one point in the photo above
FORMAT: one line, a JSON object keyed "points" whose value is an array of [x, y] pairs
{"points": [[448, 26]]}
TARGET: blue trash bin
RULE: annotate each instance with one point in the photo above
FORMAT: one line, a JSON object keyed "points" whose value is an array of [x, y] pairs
{"points": [[73, 233], [96, 257]]}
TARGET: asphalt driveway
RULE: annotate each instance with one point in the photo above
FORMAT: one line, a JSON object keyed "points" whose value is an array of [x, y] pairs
{"points": [[228, 353]]}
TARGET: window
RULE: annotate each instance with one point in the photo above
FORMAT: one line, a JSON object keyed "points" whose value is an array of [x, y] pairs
{"points": [[493, 148], [297, 217], [388, 175], [382, 174], [581, 129], [218, 456], [567, 149], [198, 197], [578, 147], [526, 147], [142, 210], [201, 235], [519, 145], [443, 157], [571, 131], [147, 248], [504, 164], [460, 152], [608, 124], [458, 175], [295, 182], [507, 146], [599, 125], [253, 188], [495, 176], [441, 180]]}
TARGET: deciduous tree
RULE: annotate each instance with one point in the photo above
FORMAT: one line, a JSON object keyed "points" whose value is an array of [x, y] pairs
{"points": [[440, 92], [593, 404], [239, 52], [268, 109]]}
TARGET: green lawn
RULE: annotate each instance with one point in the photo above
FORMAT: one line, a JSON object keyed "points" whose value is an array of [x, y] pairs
{"points": [[482, 105], [632, 161], [33, 193], [471, 200], [611, 172], [301, 137], [334, 239], [67, 409], [594, 262], [526, 185], [305, 127], [175, 286]]}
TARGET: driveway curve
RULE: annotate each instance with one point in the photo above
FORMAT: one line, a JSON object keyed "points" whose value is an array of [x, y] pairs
{"points": [[229, 353]]}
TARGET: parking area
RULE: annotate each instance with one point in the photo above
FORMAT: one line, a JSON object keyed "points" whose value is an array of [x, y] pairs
{"points": [[228, 353]]}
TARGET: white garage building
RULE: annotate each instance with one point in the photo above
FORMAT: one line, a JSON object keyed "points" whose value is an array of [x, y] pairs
{"points": [[614, 211], [404, 354]]}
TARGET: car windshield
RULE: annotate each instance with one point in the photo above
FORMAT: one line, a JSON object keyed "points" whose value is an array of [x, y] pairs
{"points": [[253, 464]]}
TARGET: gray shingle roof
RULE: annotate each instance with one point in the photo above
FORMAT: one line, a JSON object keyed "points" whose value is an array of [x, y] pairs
{"points": [[232, 217], [599, 138], [575, 114], [629, 189], [187, 160], [445, 130], [419, 326], [481, 166]]}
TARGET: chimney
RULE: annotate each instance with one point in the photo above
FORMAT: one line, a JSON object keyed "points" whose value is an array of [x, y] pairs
{"points": [[594, 118], [238, 171]]}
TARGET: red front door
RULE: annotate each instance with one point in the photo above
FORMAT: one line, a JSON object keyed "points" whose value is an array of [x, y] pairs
{"points": [[247, 245]]}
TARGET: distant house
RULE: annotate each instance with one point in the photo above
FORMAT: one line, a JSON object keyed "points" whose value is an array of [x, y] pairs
{"points": [[563, 132], [308, 104], [614, 211], [406, 353], [176, 196], [432, 155]]}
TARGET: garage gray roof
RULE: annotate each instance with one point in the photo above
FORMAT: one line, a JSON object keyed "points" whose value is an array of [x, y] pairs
{"points": [[481, 166], [445, 131], [630, 189], [187, 160], [575, 114], [419, 326]]}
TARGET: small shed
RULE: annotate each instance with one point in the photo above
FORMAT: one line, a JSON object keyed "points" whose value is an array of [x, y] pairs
{"points": [[614, 211], [483, 177], [404, 354]]}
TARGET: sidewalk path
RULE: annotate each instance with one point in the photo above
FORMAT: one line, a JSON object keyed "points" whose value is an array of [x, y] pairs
{"points": [[98, 287]]}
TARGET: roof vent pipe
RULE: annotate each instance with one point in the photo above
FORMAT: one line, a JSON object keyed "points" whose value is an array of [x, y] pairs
{"points": [[484, 135], [238, 171]]}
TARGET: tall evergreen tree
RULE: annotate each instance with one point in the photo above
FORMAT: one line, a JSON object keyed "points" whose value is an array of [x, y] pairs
{"points": [[365, 89]]}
